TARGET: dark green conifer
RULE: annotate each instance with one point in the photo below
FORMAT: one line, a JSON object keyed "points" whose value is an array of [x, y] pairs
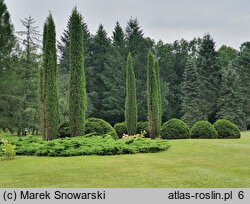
{"points": [[41, 84], [51, 116], [77, 83], [157, 71], [210, 75], [191, 103], [130, 104], [152, 96], [243, 69], [231, 100]]}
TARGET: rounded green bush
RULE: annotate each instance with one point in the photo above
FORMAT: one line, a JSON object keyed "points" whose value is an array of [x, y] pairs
{"points": [[64, 129], [226, 129], [142, 127], [175, 129], [120, 129], [100, 127], [203, 129]]}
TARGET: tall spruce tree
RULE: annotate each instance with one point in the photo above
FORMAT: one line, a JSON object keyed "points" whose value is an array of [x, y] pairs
{"points": [[159, 100], [191, 105], [7, 38], [152, 97], [210, 76], [130, 104], [118, 36], [77, 83], [231, 100], [50, 82], [28, 107], [243, 69], [9, 82], [101, 82]]}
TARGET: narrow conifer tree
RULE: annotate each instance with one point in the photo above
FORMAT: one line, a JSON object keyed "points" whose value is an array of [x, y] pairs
{"points": [[51, 116], [130, 104], [77, 82], [157, 71], [41, 85], [152, 95]]}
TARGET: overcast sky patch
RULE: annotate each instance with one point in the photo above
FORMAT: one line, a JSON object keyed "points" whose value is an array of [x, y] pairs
{"points": [[227, 21]]}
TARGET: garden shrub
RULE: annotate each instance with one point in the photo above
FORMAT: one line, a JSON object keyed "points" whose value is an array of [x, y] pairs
{"points": [[175, 129], [203, 129], [226, 129], [81, 145], [64, 130], [100, 127], [120, 129], [142, 128], [8, 150]]}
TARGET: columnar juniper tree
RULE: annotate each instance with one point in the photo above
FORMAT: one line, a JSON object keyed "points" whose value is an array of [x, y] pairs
{"points": [[77, 83], [130, 104], [152, 96], [191, 105], [51, 115], [157, 71], [41, 84]]}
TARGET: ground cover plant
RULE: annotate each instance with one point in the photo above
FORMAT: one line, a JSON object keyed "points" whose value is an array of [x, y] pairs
{"points": [[90, 144], [192, 163]]}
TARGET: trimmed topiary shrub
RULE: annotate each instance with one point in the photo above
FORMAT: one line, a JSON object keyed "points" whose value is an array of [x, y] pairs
{"points": [[226, 129], [100, 127], [64, 130], [175, 129], [120, 129], [203, 129], [142, 127]]}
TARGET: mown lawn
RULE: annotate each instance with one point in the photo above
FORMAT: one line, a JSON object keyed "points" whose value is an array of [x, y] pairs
{"points": [[188, 163]]}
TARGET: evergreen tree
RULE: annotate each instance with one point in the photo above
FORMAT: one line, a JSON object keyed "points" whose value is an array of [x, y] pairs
{"points": [[7, 38], [118, 36], [191, 105], [152, 95], [115, 95], [158, 82], [50, 82], [243, 69], [130, 105], [28, 107], [63, 74], [100, 74], [172, 59], [231, 100], [41, 84], [210, 76], [138, 45], [9, 63], [77, 83]]}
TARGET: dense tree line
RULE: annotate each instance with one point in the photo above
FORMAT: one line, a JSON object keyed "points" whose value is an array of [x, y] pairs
{"points": [[196, 81]]}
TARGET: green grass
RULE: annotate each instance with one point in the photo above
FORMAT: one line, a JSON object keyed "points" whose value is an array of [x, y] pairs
{"points": [[188, 163]]}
